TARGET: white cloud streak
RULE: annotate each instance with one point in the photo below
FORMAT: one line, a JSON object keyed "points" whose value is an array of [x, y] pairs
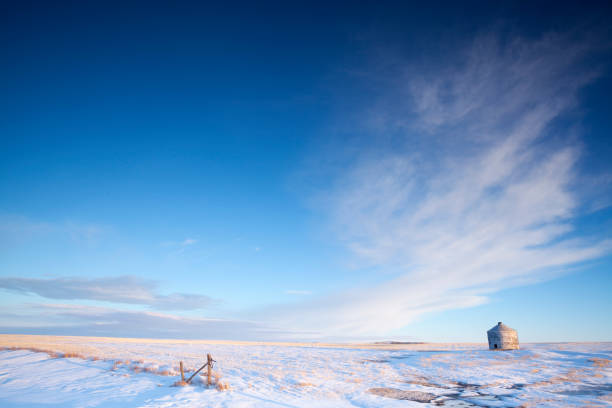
{"points": [[122, 289], [298, 292], [477, 195]]}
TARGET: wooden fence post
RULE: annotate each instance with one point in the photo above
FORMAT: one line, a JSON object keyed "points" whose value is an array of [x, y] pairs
{"points": [[209, 362]]}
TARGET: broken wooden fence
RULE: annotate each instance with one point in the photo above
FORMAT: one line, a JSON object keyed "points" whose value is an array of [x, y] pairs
{"points": [[209, 363]]}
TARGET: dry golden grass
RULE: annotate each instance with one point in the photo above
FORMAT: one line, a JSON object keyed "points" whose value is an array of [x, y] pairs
{"points": [[67, 352], [84, 345], [222, 386], [304, 384], [600, 362], [74, 355], [537, 402], [219, 386]]}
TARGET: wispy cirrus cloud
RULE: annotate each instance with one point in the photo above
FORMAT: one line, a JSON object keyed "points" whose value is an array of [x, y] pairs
{"points": [[467, 185], [184, 243], [122, 289]]}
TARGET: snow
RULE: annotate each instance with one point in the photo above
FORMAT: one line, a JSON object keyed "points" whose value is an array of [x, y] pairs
{"points": [[128, 373]]}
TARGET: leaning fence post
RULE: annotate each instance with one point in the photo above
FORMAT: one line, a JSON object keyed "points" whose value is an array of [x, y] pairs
{"points": [[196, 373], [182, 372], [209, 362]]}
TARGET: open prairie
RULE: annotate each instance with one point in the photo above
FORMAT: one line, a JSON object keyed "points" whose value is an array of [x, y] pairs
{"points": [[48, 371]]}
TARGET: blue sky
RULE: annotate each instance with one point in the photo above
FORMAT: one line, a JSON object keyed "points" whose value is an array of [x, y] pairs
{"points": [[306, 172]]}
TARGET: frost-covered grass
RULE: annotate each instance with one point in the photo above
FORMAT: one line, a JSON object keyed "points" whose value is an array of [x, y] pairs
{"points": [[103, 372]]}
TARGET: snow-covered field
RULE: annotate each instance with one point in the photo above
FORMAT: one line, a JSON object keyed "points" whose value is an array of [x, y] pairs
{"points": [[37, 371]]}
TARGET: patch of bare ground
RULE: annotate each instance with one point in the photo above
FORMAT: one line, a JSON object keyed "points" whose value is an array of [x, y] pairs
{"points": [[417, 396]]}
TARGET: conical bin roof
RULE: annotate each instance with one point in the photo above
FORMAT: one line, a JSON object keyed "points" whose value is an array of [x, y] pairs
{"points": [[500, 327]]}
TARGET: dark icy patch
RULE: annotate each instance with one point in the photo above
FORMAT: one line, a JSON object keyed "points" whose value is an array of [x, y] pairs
{"points": [[417, 396], [453, 393], [402, 356], [375, 361], [452, 403], [589, 390]]}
